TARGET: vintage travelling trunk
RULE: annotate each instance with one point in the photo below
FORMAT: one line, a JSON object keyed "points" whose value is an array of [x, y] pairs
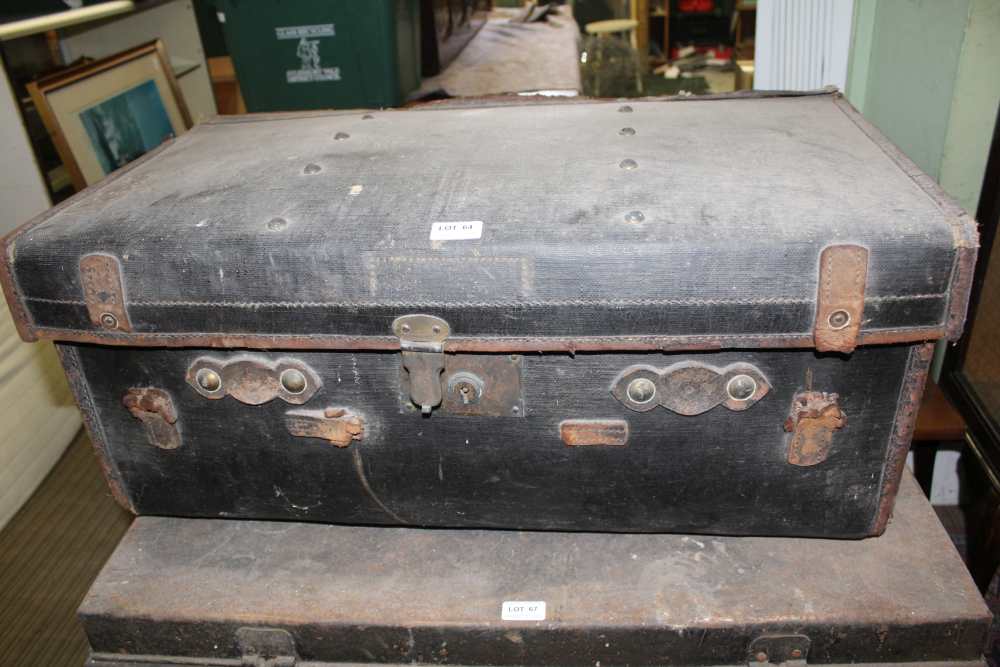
{"points": [[710, 316], [225, 592]]}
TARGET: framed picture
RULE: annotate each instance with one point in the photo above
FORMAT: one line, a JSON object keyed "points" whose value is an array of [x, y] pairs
{"points": [[106, 113]]}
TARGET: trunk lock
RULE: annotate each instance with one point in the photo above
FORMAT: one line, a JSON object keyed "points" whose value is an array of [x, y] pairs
{"points": [[421, 341], [465, 387]]}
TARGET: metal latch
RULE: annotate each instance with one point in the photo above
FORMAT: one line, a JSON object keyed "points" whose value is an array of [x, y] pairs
{"points": [[266, 647], [154, 408], [783, 650], [814, 417], [338, 426], [421, 340]]}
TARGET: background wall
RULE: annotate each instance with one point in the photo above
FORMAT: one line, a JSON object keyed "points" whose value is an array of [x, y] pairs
{"points": [[37, 415], [925, 72], [802, 44]]}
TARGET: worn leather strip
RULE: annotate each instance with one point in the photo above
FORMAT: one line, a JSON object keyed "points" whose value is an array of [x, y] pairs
{"points": [[69, 356], [908, 405], [103, 292], [961, 290], [840, 303], [964, 229], [18, 309], [482, 344]]}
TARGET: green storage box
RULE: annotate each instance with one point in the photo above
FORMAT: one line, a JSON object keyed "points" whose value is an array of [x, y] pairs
{"points": [[320, 54]]}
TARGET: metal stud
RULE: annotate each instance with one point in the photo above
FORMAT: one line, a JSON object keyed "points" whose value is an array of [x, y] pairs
{"points": [[839, 319], [625, 109], [109, 321], [641, 390], [628, 164], [312, 168], [277, 224], [293, 381], [209, 380], [741, 388], [340, 136], [634, 216], [627, 131]]}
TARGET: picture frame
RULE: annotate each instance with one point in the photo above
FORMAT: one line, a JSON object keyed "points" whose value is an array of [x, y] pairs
{"points": [[106, 113]]}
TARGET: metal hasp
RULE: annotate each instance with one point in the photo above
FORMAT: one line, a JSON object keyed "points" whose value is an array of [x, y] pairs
{"points": [[266, 647], [784, 650], [814, 417], [338, 426], [253, 380], [103, 292], [840, 301], [421, 342], [154, 408], [690, 387]]}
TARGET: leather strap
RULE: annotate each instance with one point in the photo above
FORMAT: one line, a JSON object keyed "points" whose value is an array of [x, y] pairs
{"points": [[840, 304]]}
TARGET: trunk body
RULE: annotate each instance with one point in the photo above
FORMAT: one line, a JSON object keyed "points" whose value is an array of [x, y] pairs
{"points": [[723, 471], [220, 592], [709, 316]]}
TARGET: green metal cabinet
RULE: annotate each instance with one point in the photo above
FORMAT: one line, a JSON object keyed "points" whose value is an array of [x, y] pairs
{"points": [[319, 54]]}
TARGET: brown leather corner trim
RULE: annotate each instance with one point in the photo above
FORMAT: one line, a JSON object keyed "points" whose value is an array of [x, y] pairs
{"points": [[594, 432], [961, 290], [840, 301], [907, 407], [564, 344], [70, 358], [965, 233], [22, 320], [12, 292], [104, 292]]}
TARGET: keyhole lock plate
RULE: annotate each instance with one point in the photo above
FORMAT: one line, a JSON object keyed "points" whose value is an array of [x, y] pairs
{"points": [[484, 385]]}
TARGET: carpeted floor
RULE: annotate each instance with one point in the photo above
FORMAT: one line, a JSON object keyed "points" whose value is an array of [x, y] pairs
{"points": [[50, 552]]}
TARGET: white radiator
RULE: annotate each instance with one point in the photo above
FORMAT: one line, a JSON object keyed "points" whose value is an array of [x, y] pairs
{"points": [[802, 44]]}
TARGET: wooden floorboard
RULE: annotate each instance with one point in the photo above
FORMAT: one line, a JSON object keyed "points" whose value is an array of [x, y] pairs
{"points": [[50, 553]]}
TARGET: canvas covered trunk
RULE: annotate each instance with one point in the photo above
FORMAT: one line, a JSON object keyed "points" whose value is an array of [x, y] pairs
{"points": [[708, 316], [280, 594]]}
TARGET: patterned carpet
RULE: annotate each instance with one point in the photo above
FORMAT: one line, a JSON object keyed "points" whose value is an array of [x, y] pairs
{"points": [[50, 552]]}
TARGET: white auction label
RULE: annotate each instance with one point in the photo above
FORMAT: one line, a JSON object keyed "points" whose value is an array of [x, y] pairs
{"points": [[456, 231], [523, 611]]}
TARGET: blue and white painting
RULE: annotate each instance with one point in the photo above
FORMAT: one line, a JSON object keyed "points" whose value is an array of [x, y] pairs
{"points": [[123, 127]]}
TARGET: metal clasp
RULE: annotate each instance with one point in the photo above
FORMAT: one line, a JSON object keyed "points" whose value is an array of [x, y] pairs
{"points": [[155, 409], [421, 341], [338, 426], [814, 417]]}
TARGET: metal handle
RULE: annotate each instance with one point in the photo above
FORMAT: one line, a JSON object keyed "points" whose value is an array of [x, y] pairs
{"points": [[690, 387]]}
